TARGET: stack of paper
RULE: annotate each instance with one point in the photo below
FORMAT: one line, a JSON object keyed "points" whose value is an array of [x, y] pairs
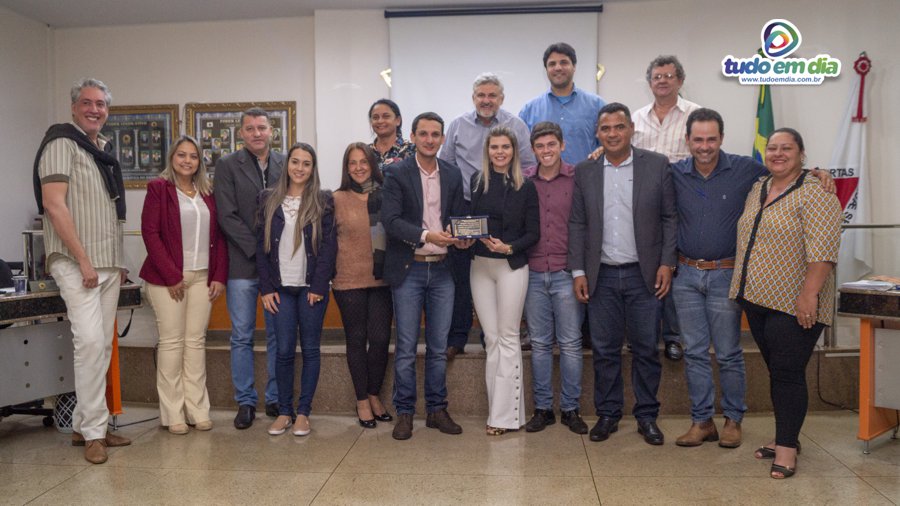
{"points": [[869, 284]]}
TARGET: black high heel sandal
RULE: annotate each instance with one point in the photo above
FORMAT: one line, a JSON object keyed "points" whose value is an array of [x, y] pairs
{"points": [[384, 417], [764, 452], [786, 472]]}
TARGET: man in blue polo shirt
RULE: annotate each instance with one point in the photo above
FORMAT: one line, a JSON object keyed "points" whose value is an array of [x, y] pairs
{"points": [[710, 189], [573, 109]]}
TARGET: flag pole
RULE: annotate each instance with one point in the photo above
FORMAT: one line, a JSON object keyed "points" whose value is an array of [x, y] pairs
{"points": [[862, 66]]}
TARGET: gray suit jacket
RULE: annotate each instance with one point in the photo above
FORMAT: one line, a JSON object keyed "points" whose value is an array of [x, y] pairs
{"points": [[237, 184], [653, 208]]}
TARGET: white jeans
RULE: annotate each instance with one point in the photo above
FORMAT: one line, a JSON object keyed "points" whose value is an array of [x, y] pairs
{"points": [[92, 316], [181, 356], [498, 294]]}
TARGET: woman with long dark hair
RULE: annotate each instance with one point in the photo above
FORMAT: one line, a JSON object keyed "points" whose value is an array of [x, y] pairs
{"points": [[295, 254], [362, 296]]}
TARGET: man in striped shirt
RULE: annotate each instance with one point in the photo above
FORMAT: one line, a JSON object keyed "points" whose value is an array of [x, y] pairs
{"points": [[81, 197], [659, 126]]}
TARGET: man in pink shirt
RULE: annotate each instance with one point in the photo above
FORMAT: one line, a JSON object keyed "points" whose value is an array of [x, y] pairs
{"points": [[420, 195]]}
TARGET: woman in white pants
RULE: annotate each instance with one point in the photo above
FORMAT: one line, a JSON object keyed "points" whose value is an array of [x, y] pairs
{"points": [[499, 275], [185, 270]]}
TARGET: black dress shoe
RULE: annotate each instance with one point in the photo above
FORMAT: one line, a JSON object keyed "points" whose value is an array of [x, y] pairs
{"points": [[541, 419], [573, 421], [603, 428], [674, 352], [384, 417], [650, 431], [525, 342], [245, 416], [272, 410], [367, 424]]}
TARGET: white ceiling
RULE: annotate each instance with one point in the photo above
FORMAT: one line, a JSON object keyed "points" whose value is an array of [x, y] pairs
{"points": [[79, 13]]}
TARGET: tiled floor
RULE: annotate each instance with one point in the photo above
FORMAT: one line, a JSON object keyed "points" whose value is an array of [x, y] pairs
{"points": [[340, 463]]}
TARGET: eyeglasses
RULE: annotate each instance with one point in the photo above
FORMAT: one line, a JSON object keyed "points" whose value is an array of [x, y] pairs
{"points": [[660, 77]]}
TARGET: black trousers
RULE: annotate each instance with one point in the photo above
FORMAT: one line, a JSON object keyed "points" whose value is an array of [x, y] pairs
{"points": [[366, 314], [786, 348]]}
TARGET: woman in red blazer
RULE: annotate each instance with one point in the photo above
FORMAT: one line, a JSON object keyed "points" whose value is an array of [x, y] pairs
{"points": [[185, 270]]}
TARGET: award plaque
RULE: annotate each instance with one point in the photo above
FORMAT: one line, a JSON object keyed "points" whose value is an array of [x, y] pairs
{"points": [[469, 227]]}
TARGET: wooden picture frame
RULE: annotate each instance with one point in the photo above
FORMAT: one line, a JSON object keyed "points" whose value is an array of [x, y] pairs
{"points": [[141, 136], [216, 127]]}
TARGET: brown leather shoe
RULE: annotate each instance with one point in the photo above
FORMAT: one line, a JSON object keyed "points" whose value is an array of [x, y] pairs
{"points": [[404, 426], [731, 434], [111, 440], [698, 434], [95, 451], [441, 420]]}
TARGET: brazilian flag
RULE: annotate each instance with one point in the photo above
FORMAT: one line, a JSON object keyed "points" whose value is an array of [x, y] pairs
{"points": [[764, 123]]}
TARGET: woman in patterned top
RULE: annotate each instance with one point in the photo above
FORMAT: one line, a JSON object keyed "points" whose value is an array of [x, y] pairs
{"points": [[788, 240], [385, 119]]}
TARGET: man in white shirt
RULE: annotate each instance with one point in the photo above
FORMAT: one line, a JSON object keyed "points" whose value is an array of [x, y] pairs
{"points": [[659, 126]]}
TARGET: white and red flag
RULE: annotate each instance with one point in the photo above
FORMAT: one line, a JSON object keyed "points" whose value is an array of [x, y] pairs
{"points": [[848, 167]]}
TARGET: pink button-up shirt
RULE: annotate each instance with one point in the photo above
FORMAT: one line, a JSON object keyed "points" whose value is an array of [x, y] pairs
{"points": [[431, 209]]}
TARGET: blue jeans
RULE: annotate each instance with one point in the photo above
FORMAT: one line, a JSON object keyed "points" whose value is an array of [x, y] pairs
{"points": [[428, 285], [295, 312], [552, 310], [621, 300], [241, 296], [707, 316]]}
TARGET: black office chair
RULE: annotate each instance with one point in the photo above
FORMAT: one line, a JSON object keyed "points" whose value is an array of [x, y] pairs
{"points": [[6, 275]]}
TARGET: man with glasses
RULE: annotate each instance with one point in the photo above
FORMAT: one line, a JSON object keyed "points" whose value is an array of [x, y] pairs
{"points": [[659, 126]]}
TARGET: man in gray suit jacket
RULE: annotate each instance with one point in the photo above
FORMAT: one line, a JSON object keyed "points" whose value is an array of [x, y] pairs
{"points": [[239, 179], [622, 253]]}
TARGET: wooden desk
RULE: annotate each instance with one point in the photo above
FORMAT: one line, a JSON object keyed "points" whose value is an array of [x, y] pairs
{"points": [[876, 310]]}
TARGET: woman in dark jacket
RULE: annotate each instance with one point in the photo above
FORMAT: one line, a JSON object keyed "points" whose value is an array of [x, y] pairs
{"points": [[295, 255], [499, 274], [185, 270]]}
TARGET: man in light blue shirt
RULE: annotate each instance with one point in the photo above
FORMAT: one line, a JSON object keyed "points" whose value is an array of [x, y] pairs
{"points": [[464, 142], [573, 109], [464, 147]]}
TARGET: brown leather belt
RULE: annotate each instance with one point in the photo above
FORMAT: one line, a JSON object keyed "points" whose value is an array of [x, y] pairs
{"points": [[706, 265], [429, 258]]}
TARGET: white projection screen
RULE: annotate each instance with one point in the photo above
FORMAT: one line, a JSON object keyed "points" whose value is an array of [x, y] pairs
{"points": [[435, 59]]}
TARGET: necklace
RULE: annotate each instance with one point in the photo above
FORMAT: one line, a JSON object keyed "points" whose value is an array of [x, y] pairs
{"points": [[190, 193]]}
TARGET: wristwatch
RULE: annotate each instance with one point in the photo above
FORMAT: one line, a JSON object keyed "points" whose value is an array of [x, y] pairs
{"points": [[510, 250]]}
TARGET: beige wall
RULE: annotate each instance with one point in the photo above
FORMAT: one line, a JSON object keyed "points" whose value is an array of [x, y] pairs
{"points": [[351, 50], [24, 91], [329, 64], [223, 61], [702, 32]]}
